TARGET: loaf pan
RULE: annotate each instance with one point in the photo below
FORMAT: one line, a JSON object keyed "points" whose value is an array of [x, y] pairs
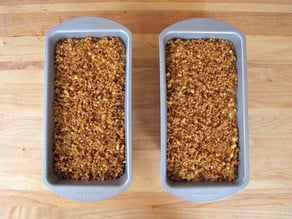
{"points": [[80, 190], [207, 28]]}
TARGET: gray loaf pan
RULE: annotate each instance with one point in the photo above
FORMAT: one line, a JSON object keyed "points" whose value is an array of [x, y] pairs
{"points": [[207, 28], [80, 190]]}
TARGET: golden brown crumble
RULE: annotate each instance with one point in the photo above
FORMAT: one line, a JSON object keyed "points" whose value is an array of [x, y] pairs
{"points": [[89, 133], [202, 138]]}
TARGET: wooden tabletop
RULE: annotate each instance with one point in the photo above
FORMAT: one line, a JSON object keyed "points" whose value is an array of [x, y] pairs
{"points": [[268, 28]]}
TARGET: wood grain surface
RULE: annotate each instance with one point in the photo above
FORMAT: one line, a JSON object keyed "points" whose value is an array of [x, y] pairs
{"points": [[268, 28]]}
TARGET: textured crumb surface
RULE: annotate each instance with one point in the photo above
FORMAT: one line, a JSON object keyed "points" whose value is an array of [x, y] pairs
{"points": [[89, 133], [202, 132]]}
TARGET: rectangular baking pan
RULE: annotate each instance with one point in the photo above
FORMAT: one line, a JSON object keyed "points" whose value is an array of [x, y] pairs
{"points": [[80, 190], [207, 28]]}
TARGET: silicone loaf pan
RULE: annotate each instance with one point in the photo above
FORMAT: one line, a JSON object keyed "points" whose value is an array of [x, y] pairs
{"points": [[207, 28], [74, 189]]}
